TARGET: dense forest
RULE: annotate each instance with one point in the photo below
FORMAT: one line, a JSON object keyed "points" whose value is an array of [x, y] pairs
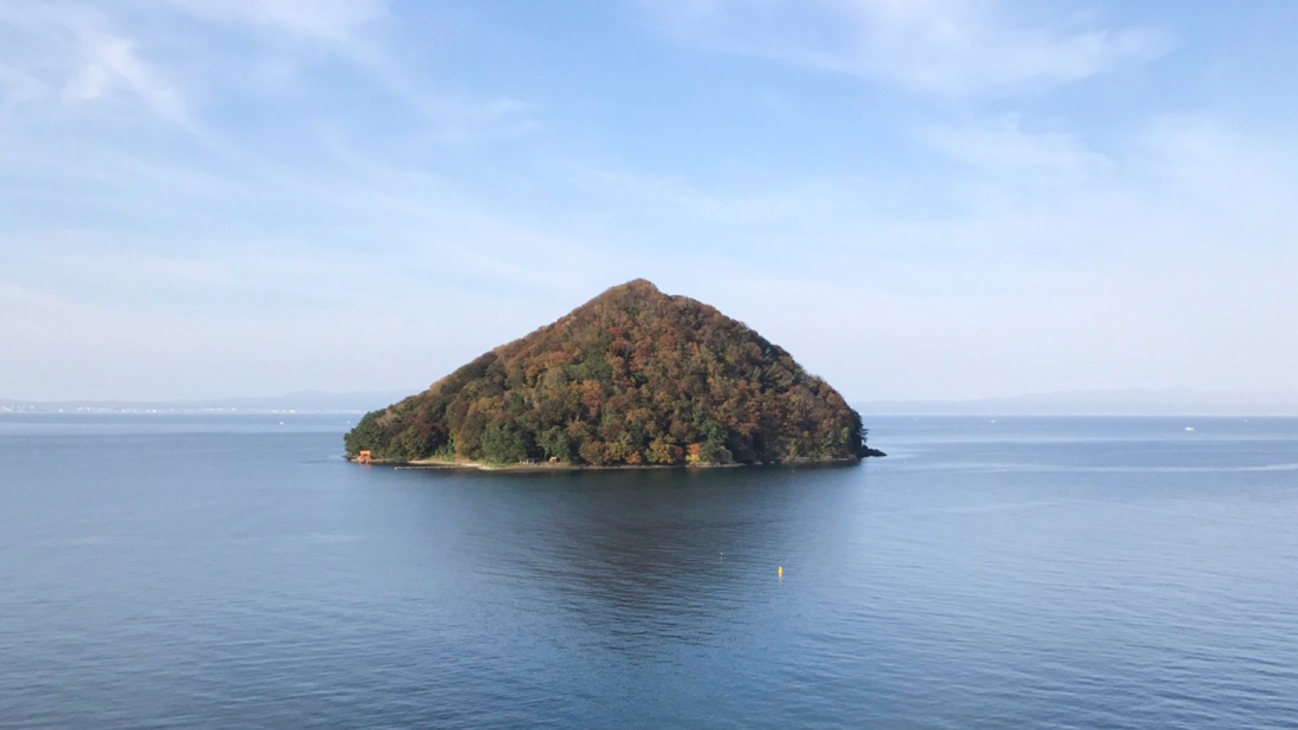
{"points": [[633, 377]]}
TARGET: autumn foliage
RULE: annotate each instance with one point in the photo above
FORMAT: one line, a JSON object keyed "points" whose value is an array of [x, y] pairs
{"points": [[633, 377]]}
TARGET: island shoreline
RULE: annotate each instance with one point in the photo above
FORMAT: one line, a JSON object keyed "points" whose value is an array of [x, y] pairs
{"points": [[437, 464]]}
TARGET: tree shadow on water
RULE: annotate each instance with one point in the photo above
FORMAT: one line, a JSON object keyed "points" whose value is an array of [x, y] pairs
{"points": [[658, 555]]}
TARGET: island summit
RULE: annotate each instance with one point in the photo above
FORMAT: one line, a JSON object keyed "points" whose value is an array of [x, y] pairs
{"points": [[632, 378]]}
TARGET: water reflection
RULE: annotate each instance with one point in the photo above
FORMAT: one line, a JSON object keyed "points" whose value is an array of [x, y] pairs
{"points": [[644, 557]]}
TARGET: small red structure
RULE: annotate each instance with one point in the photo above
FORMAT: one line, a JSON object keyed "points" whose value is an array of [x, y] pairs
{"points": [[364, 457]]}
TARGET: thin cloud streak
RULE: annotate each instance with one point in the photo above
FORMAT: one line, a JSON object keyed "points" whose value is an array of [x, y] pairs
{"points": [[942, 47], [1001, 144], [69, 54], [332, 21]]}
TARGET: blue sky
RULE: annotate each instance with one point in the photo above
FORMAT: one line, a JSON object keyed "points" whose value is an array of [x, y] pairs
{"points": [[918, 198]]}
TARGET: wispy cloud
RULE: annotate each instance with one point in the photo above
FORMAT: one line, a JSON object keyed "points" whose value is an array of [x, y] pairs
{"points": [[1001, 143], [70, 53], [947, 47], [112, 63], [336, 21], [78, 57], [344, 28]]}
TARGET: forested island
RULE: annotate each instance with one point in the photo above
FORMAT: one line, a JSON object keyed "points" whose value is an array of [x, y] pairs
{"points": [[632, 378]]}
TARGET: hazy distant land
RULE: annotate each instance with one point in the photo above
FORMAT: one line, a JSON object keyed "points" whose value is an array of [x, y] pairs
{"points": [[1160, 402], [300, 402], [1164, 402]]}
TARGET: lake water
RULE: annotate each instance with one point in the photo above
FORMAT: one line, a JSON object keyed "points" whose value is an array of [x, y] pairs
{"points": [[234, 572]]}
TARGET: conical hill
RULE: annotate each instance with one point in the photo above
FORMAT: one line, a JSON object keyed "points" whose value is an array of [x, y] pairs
{"points": [[632, 377]]}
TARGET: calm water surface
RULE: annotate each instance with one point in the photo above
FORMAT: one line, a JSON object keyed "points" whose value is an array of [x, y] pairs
{"points": [[234, 572]]}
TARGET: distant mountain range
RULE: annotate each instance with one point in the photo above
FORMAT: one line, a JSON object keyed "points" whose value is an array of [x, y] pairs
{"points": [[302, 402], [1164, 402]]}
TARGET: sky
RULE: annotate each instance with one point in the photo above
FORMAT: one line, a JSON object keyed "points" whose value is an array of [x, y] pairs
{"points": [[919, 199]]}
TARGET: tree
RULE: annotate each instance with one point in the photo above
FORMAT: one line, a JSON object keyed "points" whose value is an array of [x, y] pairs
{"points": [[503, 444]]}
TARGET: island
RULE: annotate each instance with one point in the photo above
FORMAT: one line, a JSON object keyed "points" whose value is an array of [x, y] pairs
{"points": [[634, 378]]}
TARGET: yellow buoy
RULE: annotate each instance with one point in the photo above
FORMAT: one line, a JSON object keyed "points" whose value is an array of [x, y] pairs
{"points": [[780, 572]]}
